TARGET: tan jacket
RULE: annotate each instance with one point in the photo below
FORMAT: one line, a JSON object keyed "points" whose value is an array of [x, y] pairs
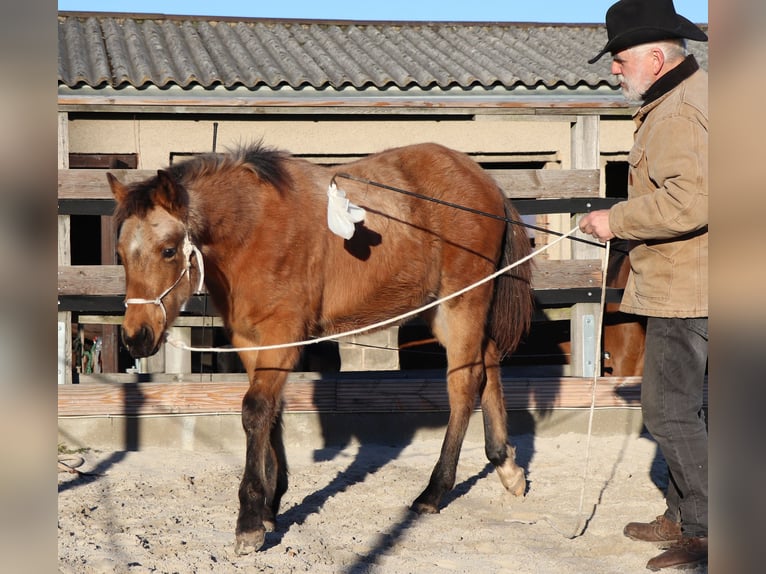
{"points": [[666, 213]]}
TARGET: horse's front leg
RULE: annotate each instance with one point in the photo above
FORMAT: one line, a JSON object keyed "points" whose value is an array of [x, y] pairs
{"points": [[265, 477]]}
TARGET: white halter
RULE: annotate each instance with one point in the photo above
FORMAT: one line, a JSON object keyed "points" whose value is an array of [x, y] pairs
{"points": [[188, 249]]}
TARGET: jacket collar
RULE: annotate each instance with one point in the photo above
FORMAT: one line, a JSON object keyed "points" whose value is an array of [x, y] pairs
{"points": [[670, 80]]}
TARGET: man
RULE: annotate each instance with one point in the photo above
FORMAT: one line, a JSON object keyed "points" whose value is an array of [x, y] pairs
{"points": [[666, 220]]}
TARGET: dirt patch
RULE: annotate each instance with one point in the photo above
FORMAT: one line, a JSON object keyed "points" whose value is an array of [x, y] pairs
{"points": [[346, 511]]}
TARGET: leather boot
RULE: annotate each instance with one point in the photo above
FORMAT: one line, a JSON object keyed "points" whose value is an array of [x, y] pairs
{"points": [[661, 530], [689, 552]]}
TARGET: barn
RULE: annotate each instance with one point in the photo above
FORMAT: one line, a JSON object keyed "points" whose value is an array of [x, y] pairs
{"points": [[137, 92]]}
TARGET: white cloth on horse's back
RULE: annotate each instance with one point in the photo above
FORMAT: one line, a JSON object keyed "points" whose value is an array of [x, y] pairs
{"points": [[341, 213]]}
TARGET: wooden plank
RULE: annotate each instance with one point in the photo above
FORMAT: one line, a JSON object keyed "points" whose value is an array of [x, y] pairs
{"points": [[547, 183], [92, 183], [91, 280], [339, 395], [516, 183], [248, 103], [110, 279], [64, 343], [585, 155], [182, 321], [566, 274], [342, 396]]}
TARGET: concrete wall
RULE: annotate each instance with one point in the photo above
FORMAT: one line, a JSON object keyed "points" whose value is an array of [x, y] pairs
{"points": [[315, 431]]}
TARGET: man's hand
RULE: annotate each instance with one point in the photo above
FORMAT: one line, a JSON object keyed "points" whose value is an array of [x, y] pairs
{"points": [[596, 223]]}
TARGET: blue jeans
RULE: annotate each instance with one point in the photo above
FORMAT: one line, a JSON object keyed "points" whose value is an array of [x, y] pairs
{"points": [[671, 402]]}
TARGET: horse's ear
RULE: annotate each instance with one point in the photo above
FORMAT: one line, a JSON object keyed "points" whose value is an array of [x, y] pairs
{"points": [[168, 194], [118, 189]]}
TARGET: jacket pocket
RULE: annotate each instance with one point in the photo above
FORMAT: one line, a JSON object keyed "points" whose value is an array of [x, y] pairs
{"points": [[635, 155], [653, 271]]}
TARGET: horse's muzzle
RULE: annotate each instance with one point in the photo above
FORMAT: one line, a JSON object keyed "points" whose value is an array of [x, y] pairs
{"points": [[141, 343]]}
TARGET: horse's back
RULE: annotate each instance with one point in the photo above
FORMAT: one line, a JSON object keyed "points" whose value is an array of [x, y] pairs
{"points": [[422, 237]]}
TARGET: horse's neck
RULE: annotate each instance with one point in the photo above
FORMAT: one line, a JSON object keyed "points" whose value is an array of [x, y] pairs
{"points": [[212, 222]]}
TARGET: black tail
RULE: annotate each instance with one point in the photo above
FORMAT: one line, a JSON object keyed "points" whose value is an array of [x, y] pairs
{"points": [[513, 304]]}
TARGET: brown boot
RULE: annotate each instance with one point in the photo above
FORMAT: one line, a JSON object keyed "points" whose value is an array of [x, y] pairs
{"points": [[689, 552], [659, 530]]}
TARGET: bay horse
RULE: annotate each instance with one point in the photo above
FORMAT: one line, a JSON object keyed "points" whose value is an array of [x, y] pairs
{"points": [[624, 333], [255, 221]]}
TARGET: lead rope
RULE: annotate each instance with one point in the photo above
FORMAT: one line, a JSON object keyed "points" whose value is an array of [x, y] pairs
{"points": [[182, 345], [581, 524]]}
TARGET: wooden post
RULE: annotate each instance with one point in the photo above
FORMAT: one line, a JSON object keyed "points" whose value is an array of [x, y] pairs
{"points": [[110, 334], [64, 258], [584, 318]]}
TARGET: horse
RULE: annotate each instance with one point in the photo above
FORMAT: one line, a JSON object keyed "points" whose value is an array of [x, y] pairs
{"points": [[253, 222], [624, 333]]}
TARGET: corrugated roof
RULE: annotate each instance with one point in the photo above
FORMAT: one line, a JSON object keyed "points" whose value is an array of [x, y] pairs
{"points": [[121, 50]]}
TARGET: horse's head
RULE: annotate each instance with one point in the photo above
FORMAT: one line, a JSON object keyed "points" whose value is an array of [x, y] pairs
{"points": [[162, 266]]}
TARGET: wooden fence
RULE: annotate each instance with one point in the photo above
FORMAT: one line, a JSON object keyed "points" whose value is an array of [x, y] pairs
{"points": [[569, 286]]}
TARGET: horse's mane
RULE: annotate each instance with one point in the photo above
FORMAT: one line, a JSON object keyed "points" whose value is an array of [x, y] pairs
{"points": [[267, 163]]}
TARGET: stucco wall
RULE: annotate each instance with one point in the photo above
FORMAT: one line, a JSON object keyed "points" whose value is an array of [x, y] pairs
{"points": [[154, 139]]}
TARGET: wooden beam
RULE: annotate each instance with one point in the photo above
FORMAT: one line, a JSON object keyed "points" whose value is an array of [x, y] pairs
{"points": [[110, 279], [515, 183], [547, 183], [369, 392]]}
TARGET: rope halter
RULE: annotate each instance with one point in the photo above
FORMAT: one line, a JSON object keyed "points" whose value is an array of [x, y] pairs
{"points": [[188, 249]]}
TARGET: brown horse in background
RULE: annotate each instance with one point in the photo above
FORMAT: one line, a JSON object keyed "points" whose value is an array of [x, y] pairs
{"points": [[257, 218], [624, 333]]}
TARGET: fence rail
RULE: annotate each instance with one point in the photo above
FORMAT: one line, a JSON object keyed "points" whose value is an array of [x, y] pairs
{"points": [[98, 291]]}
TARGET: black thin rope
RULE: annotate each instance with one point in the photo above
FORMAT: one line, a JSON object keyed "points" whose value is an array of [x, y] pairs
{"points": [[468, 209]]}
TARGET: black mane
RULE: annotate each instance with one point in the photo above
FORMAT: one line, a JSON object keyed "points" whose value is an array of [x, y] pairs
{"points": [[266, 162]]}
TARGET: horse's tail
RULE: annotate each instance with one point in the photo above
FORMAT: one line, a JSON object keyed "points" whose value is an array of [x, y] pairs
{"points": [[513, 303]]}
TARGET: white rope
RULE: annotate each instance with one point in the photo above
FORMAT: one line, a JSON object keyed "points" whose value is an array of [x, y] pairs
{"points": [[580, 527], [182, 345]]}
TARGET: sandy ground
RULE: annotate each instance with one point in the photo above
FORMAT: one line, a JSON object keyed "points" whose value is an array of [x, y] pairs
{"points": [[164, 511]]}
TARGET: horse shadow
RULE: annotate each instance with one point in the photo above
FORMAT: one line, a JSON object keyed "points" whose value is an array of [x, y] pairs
{"points": [[394, 432], [133, 399]]}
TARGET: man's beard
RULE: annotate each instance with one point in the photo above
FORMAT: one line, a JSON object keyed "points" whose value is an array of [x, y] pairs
{"points": [[633, 93]]}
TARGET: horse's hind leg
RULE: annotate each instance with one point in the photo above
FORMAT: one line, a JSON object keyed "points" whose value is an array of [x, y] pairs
{"points": [[463, 383], [499, 452]]}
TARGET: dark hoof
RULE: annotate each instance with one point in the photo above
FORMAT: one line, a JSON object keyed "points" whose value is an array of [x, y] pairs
{"points": [[424, 508], [249, 542]]}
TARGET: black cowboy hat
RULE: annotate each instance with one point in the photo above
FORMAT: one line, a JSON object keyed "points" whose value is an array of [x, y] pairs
{"points": [[633, 22]]}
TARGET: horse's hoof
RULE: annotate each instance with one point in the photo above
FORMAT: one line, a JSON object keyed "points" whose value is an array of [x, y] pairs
{"points": [[513, 478], [249, 542], [270, 525], [519, 486], [423, 508]]}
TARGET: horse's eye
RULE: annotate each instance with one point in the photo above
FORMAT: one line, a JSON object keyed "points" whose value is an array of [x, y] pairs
{"points": [[168, 252]]}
